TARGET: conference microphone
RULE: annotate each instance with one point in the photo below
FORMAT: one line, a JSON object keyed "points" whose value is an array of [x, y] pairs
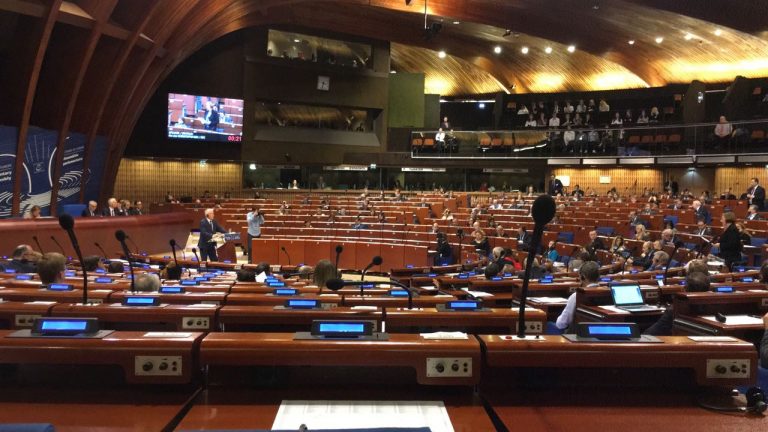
{"points": [[120, 236], [59, 244], [101, 249], [194, 251], [337, 284], [282, 248], [377, 260], [542, 211], [68, 224], [134, 244], [172, 242], [339, 249], [669, 263], [40, 248]]}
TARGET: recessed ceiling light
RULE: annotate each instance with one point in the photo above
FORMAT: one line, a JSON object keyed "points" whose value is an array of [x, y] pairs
{"points": [[718, 32], [688, 36], [393, 71], [497, 49], [524, 50], [297, 40], [631, 42], [457, 22], [659, 40], [548, 50], [571, 48], [441, 54]]}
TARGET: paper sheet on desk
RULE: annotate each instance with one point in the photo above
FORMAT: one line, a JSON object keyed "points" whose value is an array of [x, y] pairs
{"points": [[362, 414], [553, 300], [445, 335], [479, 294], [736, 319], [614, 309]]}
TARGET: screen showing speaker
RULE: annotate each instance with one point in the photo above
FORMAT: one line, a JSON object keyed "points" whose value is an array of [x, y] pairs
{"points": [[205, 118]]}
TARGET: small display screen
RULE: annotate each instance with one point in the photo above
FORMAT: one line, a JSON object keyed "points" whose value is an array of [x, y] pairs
{"points": [[409, 266], [432, 274], [302, 304], [741, 269], [69, 273], [597, 330], [605, 279], [276, 284], [10, 271], [496, 278], [724, 289], [462, 276], [285, 291], [660, 277], [60, 287], [23, 277], [368, 285], [398, 293], [172, 290], [104, 280], [201, 278], [100, 271], [463, 305], [62, 325], [190, 282], [140, 301], [747, 279], [348, 328]]}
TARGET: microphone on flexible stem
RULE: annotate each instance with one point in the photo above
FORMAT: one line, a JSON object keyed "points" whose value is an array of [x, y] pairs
{"points": [[194, 251], [68, 224], [59, 244], [337, 284], [669, 263], [460, 235], [282, 248], [374, 262], [134, 244], [101, 249], [339, 249], [120, 236], [40, 248], [542, 211], [172, 242]]}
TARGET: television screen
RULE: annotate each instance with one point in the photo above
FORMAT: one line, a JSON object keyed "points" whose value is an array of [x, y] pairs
{"points": [[205, 118]]}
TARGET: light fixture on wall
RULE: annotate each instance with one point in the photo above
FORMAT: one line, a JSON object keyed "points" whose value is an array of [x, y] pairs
{"points": [[203, 163]]}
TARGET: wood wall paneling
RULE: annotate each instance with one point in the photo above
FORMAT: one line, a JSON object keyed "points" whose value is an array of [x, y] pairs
{"points": [[739, 178], [623, 179]]}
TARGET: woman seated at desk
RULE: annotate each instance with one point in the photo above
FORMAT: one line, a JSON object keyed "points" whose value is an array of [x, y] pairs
{"points": [[480, 242]]}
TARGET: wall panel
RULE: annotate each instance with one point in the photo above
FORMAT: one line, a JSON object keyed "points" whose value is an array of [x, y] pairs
{"points": [[739, 178], [623, 179], [151, 179]]}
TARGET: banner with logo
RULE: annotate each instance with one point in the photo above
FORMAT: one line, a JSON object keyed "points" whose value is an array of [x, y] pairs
{"points": [[8, 137]]}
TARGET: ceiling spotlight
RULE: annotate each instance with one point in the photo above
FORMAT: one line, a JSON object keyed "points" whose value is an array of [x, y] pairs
{"points": [[441, 54], [497, 49], [659, 40], [688, 36], [507, 33], [297, 40], [524, 50], [393, 71], [457, 22], [571, 48], [718, 32], [548, 50], [631, 42]]}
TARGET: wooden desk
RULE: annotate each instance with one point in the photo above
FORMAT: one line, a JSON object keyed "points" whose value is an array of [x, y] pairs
{"points": [[170, 317], [280, 349], [267, 318], [499, 321], [19, 315], [188, 298], [675, 352], [74, 296], [119, 349], [690, 307]]}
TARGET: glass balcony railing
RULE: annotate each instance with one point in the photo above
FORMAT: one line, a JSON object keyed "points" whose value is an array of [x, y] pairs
{"points": [[740, 137]]}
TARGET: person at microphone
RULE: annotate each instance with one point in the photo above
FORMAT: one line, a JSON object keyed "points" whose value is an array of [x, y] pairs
{"points": [[51, 268], [206, 244], [595, 244], [444, 255], [589, 274], [480, 242], [756, 194], [255, 220]]}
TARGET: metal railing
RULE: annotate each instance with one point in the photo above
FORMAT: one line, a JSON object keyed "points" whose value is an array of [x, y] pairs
{"points": [[612, 140]]}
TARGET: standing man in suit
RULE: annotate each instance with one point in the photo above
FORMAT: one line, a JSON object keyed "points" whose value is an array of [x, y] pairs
{"points": [[555, 186], [730, 242], [91, 210], [701, 212], [206, 244], [112, 209], [756, 194]]}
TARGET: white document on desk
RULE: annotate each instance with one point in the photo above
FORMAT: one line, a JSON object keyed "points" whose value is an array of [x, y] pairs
{"points": [[549, 300], [736, 319], [362, 414], [614, 309]]}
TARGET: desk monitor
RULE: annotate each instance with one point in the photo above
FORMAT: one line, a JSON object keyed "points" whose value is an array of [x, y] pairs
{"points": [[462, 276], [463, 305], [285, 292], [302, 304], [190, 282], [747, 279], [23, 276], [608, 331], [60, 287], [276, 284], [724, 289], [342, 329], [172, 289], [201, 278], [104, 280], [141, 301], [398, 293], [65, 326], [605, 279], [9, 271], [70, 273]]}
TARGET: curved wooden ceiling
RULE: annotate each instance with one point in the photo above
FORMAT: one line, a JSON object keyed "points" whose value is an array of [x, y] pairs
{"points": [[91, 65]]}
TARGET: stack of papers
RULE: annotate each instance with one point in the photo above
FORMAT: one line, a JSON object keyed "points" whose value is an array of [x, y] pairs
{"points": [[479, 294], [553, 300], [445, 335], [737, 319]]}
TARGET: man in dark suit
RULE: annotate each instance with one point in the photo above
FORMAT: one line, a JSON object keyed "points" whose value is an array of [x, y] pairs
{"points": [[206, 244], [701, 212], [752, 213], [555, 186], [21, 260], [634, 219], [702, 229], [137, 209], [730, 242], [756, 194], [523, 239], [112, 209], [595, 244], [694, 282], [90, 211]]}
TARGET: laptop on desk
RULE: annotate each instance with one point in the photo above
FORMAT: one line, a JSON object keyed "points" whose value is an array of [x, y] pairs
{"points": [[630, 299]]}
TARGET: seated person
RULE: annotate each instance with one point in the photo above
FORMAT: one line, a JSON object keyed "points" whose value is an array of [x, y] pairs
{"points": [[147, 283], [92, 263], [444, 254], [171, 272], [695, 281], [764, 344], [595, 244], [115, 267], [480, 242], [491, 271], [589, 274], [246, 275], [51, 268], [646, 257], [22, 260], [659, 261], [324, 271], [359, 224]]}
